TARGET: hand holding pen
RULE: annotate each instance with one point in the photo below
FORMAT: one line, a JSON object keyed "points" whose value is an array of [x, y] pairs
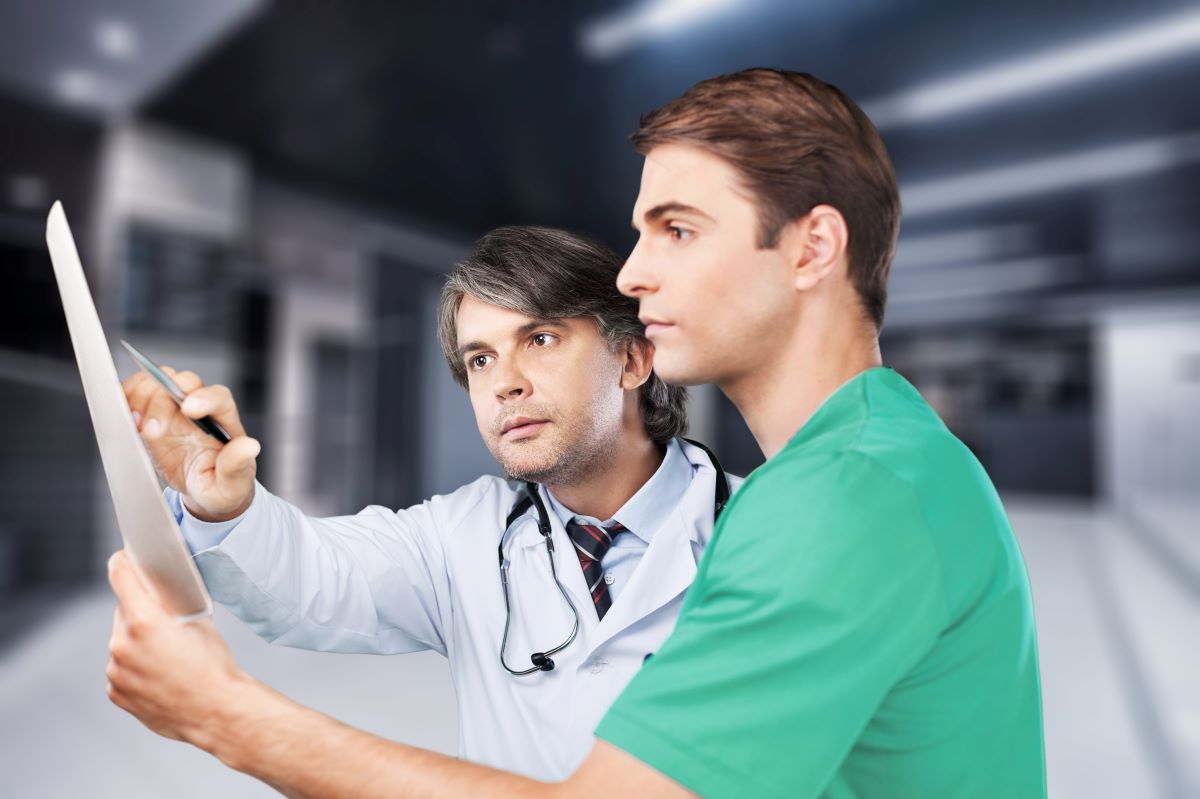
{"points": [[195, 438]]}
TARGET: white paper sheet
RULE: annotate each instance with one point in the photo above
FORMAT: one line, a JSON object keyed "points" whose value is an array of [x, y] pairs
{"points": [[147, 525]]}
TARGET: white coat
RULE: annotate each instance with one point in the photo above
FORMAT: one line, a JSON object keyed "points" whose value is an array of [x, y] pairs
{"points": [[427, 577]]}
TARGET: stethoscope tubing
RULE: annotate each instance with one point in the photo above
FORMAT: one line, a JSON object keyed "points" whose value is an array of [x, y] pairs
{"points": [[541, 660]]}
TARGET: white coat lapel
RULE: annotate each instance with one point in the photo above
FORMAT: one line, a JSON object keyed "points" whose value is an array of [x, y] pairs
{"points": [[566, 562], [669, 564]]}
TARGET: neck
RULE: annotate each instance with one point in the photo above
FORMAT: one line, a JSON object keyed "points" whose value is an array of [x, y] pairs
{"points": [[823, 351], [602, 493]]}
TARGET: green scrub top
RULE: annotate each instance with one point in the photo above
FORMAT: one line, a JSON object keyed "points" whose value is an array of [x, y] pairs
{"points": [[860, 625]]}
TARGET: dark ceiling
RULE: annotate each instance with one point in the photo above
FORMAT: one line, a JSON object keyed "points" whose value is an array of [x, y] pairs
{"points": [[466, 115]]}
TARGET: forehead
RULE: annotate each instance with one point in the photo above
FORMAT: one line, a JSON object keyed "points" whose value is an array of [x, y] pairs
{"points": [[482, 321], [475, 314], [679, 173]]}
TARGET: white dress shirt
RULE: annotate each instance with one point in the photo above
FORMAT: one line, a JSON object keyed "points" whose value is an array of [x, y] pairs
{"points": [[641, 516]]}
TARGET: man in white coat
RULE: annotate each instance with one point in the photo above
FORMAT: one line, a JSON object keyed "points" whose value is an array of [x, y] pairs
{"points": [[597, 530]]}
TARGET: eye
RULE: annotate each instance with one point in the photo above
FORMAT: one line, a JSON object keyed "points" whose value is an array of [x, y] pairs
{"points": [[679, 233], [542, 339], [477, 362]]}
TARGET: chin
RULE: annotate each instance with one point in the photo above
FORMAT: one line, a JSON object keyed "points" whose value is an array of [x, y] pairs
{"points": [[519, 462], [679, 371]]}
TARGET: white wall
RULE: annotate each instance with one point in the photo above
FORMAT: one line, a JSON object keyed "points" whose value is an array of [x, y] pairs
{"points": [[1149, 370], [1150, 420]]}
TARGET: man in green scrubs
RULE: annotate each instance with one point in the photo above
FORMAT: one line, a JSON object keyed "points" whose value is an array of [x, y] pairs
{"points": [[861, 622], [861, 625]]}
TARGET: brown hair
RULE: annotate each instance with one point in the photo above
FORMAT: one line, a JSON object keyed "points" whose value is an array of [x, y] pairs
{"points": [[798, 142], [552, 274]]}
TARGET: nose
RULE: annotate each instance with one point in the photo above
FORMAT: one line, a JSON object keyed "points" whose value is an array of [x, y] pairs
{"points": [[636, 279], [509, 382]]}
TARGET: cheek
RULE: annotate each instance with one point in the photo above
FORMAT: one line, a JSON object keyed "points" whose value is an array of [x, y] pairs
{"points": [[710, 276], [585, 382]]}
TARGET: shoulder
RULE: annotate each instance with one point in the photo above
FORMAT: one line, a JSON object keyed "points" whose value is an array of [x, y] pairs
{"points": [[815, 521], [834, 531], [839, 488], [486, 494], [465, 506]]}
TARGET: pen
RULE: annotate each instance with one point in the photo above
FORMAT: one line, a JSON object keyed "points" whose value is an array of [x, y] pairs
{"points": [[205, 423]]}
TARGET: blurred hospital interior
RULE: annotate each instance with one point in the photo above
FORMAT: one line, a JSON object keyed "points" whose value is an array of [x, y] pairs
{"points": [[268, 194]]}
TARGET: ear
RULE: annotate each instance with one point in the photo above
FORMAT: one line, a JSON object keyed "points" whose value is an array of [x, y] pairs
{"points": [[816, 243], [639, 362]]}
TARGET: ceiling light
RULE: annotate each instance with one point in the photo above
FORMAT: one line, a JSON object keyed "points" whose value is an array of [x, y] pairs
{"points": [[611, 35], [79, 86], [1156, 41], [964, 246], [1045, 175], [116, 40]]}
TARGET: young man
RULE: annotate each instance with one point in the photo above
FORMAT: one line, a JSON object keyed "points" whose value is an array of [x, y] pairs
{"points": [[560, 380], [861, 624]]}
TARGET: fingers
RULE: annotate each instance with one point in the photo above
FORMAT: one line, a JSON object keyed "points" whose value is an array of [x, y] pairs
{"points": [[187, 381], [148, 401], [138, 391], [121, 661], [155, 410], [160, 410], [137, 605], [217, 402], [141, 389]]}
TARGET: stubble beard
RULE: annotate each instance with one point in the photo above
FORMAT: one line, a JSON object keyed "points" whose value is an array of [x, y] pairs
{"points": [[567, 463], [581, 449]]}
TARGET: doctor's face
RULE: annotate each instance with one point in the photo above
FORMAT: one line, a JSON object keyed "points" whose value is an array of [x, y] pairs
{"points": [[714, 304], [547, 393]]}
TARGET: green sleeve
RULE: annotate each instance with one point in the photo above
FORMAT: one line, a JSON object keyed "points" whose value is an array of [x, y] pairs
{"points": [[821, 589]]}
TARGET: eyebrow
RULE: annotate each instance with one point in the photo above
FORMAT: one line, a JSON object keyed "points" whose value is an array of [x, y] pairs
{"points": [[520, 332], [659, 211]]}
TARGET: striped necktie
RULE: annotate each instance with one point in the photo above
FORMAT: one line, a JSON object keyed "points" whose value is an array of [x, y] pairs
{"points": [[591, 542]]}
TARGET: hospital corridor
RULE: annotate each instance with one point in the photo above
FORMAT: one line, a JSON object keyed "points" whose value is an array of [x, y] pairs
{"points": [[270, 195]]}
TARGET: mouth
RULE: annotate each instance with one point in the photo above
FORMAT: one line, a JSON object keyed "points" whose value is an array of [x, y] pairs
{"points": [[654, 326], [521, 427]]}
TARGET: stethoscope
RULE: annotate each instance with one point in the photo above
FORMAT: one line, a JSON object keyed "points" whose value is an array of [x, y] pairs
{"points": [[542, 660]]}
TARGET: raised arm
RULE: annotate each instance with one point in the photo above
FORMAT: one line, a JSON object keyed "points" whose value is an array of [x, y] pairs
{"points": [[371, 582]]}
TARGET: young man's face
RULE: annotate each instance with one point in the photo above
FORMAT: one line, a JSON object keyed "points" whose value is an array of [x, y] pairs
{"points": [[715, 305], [547, 393]]}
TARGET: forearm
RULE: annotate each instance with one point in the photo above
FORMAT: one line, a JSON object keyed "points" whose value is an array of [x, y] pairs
{"points": [[307, 582], [182, 682], [307, 755]]}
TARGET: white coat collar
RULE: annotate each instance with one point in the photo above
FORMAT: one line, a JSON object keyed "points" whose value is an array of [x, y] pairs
{"points": [[666, 569], [648, 509], [679, 471]]}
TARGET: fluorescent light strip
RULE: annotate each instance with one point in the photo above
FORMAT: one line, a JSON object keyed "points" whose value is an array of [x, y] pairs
{"points": [[967, 245], [611, 35], [999, 277], [1157, 41], [1045, 175]]}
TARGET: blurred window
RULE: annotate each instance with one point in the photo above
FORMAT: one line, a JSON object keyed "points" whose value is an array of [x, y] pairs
{"points": [[177, 283]]}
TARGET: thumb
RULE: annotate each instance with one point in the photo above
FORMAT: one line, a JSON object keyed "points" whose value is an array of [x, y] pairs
{"points": [[135, 599], [236, 466]]}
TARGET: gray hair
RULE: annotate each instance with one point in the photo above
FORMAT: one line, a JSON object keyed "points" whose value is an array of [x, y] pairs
{"points": [[553, 274]]}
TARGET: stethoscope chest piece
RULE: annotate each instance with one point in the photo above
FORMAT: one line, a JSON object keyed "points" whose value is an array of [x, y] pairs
{"points": [[541, 660]]}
